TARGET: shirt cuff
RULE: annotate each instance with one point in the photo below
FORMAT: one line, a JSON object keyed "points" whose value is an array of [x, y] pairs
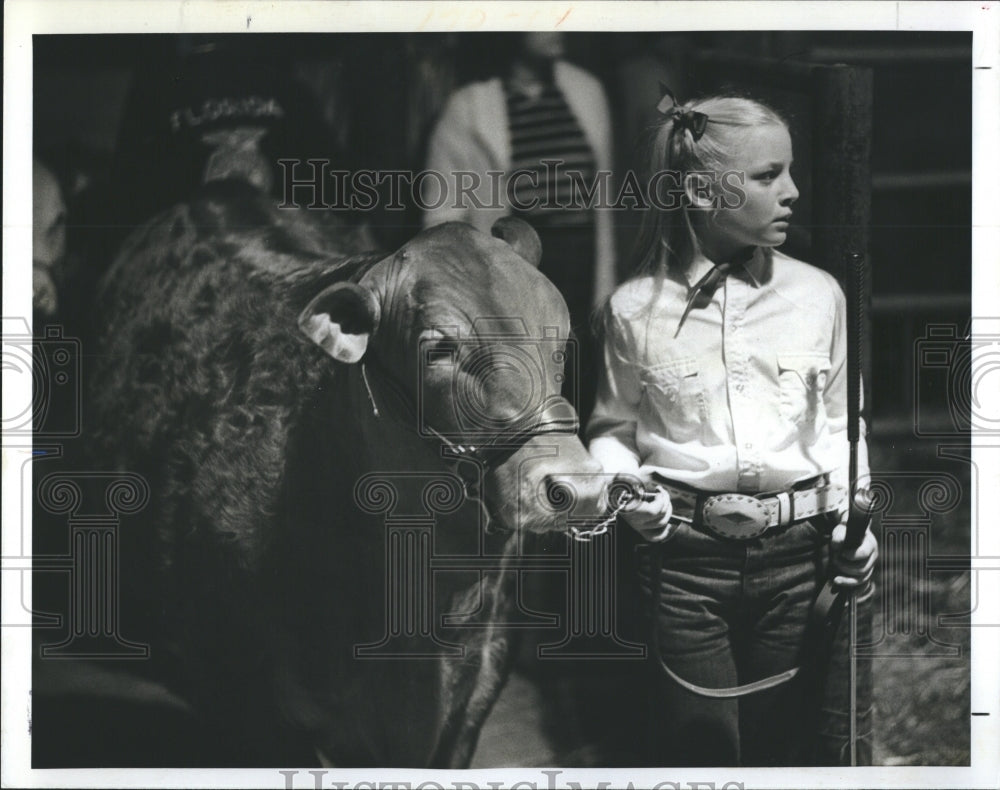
{"points": [[614, 456]]}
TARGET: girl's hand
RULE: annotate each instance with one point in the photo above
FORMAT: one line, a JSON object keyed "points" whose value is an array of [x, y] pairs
{"points": [[854, 569], [650, 517]]}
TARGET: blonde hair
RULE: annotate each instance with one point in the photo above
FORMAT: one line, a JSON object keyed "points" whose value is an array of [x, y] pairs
{"points": [[670, 146]]}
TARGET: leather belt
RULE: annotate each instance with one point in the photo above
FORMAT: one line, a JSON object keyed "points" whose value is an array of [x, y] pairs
{"points": [[744, 516]]}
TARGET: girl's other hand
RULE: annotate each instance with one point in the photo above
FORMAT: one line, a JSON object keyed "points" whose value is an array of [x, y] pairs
{"points": [[650, 517], [853, 569]]}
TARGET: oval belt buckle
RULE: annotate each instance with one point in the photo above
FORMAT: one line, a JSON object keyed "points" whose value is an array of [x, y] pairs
{"points": [[735, 516]]}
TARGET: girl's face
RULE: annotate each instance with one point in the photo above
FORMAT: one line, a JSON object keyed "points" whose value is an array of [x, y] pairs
{"points": [[763, 160]]}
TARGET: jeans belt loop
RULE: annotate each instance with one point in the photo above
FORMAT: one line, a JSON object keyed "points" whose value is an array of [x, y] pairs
{"points": [[786, 508]]}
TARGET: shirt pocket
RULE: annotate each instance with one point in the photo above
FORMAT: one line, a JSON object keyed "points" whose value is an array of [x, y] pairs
{"points": [[802, 379], [674, 394]]}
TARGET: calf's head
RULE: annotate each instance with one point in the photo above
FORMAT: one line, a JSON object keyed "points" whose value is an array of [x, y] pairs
{"points": [[461, 340]]}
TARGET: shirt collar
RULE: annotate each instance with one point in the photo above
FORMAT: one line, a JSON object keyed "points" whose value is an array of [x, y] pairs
{"points": [[755, 268]]}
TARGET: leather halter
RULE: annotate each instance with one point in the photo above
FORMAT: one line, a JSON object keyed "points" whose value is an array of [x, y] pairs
{"points": [[556, 416]]}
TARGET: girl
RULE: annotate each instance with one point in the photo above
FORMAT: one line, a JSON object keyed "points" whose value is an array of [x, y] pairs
{"points": [[724, 390]]}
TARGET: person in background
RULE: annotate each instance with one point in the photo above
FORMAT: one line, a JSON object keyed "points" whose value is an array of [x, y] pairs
{"points": [[215, 108], [724, 390], [538, 109], [48, 238]]}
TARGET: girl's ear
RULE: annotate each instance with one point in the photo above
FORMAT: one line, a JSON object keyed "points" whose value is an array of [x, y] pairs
{"points": [[698, 188]]}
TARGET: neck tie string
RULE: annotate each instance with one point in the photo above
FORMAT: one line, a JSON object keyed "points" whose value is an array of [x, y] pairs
{"points": [[706, 285]]}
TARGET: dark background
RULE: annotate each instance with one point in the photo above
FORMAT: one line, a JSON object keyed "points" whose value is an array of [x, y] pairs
{"points": [[369, 101]]}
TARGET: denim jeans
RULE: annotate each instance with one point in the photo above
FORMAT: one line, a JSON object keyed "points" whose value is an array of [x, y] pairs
{"points": [[733, 612]]}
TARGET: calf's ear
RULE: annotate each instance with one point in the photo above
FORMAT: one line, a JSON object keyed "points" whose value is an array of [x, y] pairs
{"points": [[341, 319], [521, 236]]}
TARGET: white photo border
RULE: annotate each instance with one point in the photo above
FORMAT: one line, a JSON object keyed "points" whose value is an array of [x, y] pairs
{"points": [[24, 18]]}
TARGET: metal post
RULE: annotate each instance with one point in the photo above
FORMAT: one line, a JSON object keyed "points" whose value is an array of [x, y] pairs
{"points": [[841, 108], [842, 127]]}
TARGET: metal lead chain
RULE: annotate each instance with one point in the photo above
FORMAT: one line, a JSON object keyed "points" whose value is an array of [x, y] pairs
{"points": [[626, 495]]}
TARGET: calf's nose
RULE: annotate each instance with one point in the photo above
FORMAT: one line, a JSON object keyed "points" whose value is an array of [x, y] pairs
{"points": [[560, 493], [581, 492]]}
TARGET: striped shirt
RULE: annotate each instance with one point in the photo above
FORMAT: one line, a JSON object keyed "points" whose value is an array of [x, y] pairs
{"points": [[548, 144]]}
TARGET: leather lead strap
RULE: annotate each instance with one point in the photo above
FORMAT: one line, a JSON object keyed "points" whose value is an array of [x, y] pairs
{"points": [[703, 691], [732, 691]]}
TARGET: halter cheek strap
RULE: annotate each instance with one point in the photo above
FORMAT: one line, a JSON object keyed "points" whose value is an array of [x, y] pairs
{"points": [[556, 416]]}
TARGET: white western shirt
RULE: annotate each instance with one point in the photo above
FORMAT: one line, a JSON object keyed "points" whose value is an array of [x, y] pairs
{"points": [[750, 396]]}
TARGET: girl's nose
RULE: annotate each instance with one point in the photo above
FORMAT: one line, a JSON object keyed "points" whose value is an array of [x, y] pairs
{"points": [[790, 193]]}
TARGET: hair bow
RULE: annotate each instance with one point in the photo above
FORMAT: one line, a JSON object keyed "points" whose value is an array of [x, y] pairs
{"points": [[691, 120]]}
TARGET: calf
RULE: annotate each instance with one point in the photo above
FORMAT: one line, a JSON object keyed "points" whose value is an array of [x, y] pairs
{"points": [[293, 403]]}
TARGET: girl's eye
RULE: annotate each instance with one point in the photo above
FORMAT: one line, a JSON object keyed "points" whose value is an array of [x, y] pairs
{"points": [[770, 175]]}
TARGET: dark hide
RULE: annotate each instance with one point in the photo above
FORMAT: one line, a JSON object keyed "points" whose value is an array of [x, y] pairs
{"points": [[261, 567]]}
